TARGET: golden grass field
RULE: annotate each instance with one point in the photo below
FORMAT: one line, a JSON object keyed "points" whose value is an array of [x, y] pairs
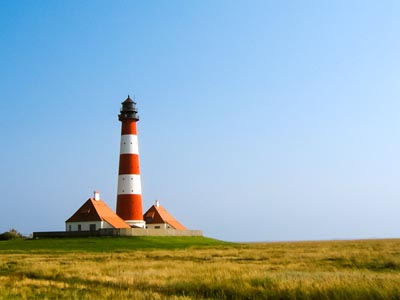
{"points": [[365, 269]]}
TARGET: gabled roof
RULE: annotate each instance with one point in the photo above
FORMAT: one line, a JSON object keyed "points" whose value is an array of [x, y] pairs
{"points": [[158, 215], [97, 210]]}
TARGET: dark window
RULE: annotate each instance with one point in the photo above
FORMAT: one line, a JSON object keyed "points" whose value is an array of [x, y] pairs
{"points": [[92, 227], [157, 227], [79, 227], [69, 227]]}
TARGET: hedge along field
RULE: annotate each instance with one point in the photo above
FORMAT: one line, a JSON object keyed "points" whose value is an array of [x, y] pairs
{"points": [[368, 269]]}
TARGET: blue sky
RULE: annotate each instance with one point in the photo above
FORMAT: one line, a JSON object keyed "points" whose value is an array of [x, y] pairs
{"points": [[260, 120]]}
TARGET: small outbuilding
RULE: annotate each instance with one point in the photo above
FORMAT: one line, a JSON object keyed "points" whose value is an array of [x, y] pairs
{"points": [[93, 215], [157, 217]]}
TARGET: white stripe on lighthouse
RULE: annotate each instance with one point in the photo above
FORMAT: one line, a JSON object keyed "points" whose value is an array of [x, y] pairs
{"points": [[129, 184], [129, 144]]}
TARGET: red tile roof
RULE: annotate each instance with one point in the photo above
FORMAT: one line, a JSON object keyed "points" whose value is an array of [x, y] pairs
{"points": [[97, 210], [159, 215]]}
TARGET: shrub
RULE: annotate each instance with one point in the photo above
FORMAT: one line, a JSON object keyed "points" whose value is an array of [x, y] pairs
{"points": [[12, 234]]}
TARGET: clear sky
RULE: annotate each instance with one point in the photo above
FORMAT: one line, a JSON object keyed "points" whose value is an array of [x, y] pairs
{"points": [[260, 120]]}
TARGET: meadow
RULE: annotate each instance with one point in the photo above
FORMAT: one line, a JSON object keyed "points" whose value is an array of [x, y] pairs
{"points": [[198, 268]]}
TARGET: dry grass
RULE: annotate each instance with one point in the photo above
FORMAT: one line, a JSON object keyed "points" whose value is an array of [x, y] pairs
{"points": [[307, 270]]}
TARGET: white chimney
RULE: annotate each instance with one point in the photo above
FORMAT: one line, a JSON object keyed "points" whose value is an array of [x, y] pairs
{"points": [[157, 203], [96, 195]]}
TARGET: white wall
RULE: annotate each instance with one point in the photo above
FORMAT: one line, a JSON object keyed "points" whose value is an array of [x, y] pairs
{"points": [[158, 226], [85, 226]]}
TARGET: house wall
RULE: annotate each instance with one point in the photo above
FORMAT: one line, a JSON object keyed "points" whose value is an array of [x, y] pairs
{"points": [[118, 232], [158, 226], [85, 226], [154, 232]]}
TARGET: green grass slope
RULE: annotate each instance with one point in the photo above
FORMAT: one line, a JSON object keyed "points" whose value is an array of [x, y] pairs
{"points": [[106, 244]]}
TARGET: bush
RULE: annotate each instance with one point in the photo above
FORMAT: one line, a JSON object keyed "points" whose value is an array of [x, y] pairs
{"points": [[12, 234]]}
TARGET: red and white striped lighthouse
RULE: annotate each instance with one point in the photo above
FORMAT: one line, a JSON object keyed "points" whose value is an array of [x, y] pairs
{"points": [[129, 199]]}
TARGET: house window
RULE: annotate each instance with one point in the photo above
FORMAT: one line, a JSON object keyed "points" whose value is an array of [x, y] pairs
{"points": [[157, 227], [79, 227], [69, 227], [92, 227]]}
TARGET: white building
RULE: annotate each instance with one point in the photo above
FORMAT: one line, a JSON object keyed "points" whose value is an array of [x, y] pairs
{"points": [[93, 215], [157, 217]]}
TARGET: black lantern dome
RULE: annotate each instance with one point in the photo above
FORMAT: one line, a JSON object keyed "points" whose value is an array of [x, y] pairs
{"points": [[128, 110]]}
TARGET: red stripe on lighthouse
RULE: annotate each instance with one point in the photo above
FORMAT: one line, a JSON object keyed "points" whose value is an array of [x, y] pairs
{"points": [[129, 127], [129, 164], [130, 207]]}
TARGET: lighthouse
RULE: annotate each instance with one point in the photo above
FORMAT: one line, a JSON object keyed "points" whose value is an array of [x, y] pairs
{"points": [[129, 196]]}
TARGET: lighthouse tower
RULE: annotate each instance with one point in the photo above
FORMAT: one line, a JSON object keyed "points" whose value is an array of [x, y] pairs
{"points": [[129, 199]]}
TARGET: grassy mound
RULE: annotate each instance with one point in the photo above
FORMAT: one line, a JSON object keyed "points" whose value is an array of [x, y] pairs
{"points": [[106, 244]]}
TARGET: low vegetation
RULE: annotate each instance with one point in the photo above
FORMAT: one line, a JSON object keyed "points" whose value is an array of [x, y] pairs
{"points": [[12, 234], [197, 268]]}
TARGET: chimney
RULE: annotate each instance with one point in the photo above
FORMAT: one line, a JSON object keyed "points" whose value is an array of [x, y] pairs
{"points": [[96, 195], [157, 203]]}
